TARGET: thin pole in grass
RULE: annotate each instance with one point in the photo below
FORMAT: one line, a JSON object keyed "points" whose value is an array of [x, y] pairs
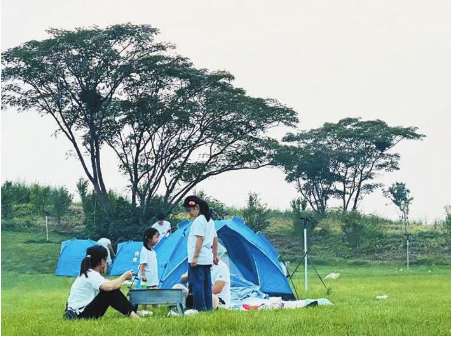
{"points": [[304, 259], [47, 225]]}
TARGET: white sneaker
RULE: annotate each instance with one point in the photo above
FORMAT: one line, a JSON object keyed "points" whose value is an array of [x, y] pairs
{"points": [[144, 313], [191, 312], [173, 313]]}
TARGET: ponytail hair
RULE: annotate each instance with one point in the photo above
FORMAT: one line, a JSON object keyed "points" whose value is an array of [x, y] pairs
{"points": [[93, 258], [192, 201], [148, 235]]}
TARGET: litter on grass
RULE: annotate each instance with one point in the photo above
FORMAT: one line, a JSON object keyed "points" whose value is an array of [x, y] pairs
{"points": [[332, 276]]}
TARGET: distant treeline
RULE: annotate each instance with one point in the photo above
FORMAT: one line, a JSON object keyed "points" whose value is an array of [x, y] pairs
{"points": [[21, 200]]}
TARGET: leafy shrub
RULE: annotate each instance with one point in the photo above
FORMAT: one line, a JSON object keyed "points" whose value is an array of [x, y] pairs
{"points": [[353, 228]]}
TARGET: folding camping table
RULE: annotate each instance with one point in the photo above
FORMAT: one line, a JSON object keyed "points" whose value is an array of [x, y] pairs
{"points": [[158, 296]]}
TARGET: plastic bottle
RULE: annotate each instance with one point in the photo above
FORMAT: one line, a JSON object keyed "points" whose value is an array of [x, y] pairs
{"points": [[143, 284], [382, 297]]}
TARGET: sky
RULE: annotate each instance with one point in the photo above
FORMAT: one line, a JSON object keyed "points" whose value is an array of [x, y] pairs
{"points": [[328, 60]]}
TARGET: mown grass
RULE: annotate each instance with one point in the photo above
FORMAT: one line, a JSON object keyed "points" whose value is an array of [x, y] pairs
{"points": [[419, 303]]}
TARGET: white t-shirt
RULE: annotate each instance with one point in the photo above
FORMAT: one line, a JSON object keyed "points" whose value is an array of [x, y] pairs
{"points": [[221, 272], [162, 229], [105, 242], [84, 290], [149, 259], [200, 227]]}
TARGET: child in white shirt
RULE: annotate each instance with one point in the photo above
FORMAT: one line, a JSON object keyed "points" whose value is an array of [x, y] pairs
{"points": [[148, 264]]}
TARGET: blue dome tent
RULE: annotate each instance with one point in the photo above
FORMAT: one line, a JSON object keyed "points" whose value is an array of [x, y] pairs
{"points": [[268, 244], [252, 260], [124, 260], [72, 253]]}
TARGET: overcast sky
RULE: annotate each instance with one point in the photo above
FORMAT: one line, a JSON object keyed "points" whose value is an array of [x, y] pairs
{"points": [[388, 60]]}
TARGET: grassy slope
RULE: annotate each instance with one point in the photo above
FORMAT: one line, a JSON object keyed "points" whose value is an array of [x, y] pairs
{"points": [[418, 303], [428, 245]]}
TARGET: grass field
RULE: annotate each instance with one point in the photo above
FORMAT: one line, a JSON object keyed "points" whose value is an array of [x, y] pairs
{"points": [[419, 302]]}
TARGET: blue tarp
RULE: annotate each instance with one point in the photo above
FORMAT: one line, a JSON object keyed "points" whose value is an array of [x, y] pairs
{"points": [[72, 253], [252, 261]]}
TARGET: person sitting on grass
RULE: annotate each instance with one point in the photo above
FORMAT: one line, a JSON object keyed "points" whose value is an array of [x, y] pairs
{"points": [[91, 294], [220, 278]]}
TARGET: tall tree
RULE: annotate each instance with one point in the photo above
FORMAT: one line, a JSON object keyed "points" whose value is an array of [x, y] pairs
{"points": [[311, 169], [183, 125], [342, 159], [363, 151], [75, 76], [171, 125]]}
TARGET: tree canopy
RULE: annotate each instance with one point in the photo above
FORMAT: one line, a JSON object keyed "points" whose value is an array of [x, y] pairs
{"points": [[341, 160], [170, 124]]}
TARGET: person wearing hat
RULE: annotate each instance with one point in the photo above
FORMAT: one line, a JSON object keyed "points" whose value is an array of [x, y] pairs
{"points": [[202, 252]]}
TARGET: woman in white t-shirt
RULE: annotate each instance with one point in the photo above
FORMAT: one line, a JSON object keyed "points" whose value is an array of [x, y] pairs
{"points": [[91, 294], [202, 252]]}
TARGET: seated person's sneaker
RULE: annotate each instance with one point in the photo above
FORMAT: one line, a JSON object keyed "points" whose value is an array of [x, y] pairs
{"points": [[144, 313]]}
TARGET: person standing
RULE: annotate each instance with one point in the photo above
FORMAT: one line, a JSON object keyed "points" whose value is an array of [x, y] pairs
{"points": [[148, 264], [106, 243], [162, 226], [220, 279], [202, 252]]}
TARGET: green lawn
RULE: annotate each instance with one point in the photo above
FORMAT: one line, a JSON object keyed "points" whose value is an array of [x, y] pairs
{"points": [[419, 303]]}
